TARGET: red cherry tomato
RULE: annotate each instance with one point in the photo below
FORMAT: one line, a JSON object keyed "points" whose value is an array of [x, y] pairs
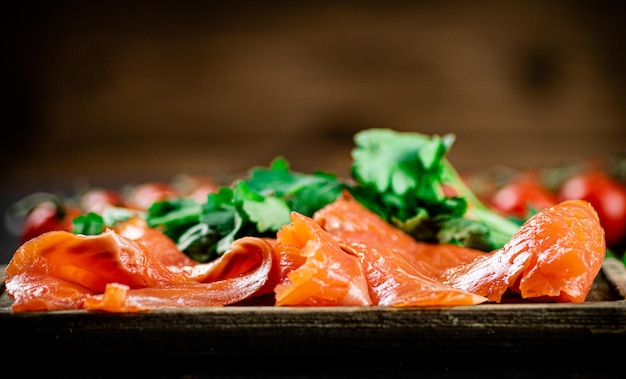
{"points": [[200, 193], [45, 217], [522, 196], [143, 195], [196, 187], [606, 195], [98, 199]]}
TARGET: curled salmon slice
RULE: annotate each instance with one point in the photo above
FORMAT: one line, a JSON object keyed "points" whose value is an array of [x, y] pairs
{"points": [[327, 275], [61, 267], [389, 258], [569, 249], [91, 261], [60, 270], [239, 274], [237, 261], [554, 256]]}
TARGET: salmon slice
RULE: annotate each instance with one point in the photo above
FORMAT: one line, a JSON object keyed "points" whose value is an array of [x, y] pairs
{"points": [[386, 252], [38, 291], [327, 274], [233, 279], [433, 260], [160, 245], [59, 267], [91, 261], [346, 218], [555, 256], [491, 275], [564, 267], [237, 261], [395, 282]]}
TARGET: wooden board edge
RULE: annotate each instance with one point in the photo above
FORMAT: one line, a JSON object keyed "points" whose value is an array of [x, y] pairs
{"points": [[615, 272]]}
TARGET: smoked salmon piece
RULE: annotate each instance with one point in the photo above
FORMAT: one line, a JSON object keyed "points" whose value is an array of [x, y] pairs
{"points": [[395, 282], [563, 270], [555, 256], [238, 261], [324, 274], [90, 261], [393, 277], [59, 262], [237, 275], [491, 275], [60, 270], [347, 219], [42, 292], [160, 245]]}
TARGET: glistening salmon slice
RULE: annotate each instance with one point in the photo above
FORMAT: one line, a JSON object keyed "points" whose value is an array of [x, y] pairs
{"points": [[91, 261], [60, 268], [555, 256], [237, 261], [346, 218], [230, 280], [564, 268], [395, 282], [37, 291], [326, 274], [394, 279]]}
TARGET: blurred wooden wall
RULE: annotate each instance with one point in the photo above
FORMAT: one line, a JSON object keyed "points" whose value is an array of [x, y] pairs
{"points": [[116, 91]]}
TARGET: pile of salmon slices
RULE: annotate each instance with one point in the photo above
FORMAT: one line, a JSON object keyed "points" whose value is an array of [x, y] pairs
{"points": [[344, 255]]}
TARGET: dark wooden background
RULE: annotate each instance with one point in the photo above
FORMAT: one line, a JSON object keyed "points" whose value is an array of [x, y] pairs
{"points": [[118, 92]]}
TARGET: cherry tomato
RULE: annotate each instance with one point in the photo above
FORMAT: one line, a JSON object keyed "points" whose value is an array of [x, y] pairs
{"points": [[195, 187], [606, 195], [98, 199], [143, 195], [48, 216], [522, 196], [200, 193]]}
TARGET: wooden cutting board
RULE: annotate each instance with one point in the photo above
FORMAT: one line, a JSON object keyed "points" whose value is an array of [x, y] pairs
{"points": [[487, 328]]}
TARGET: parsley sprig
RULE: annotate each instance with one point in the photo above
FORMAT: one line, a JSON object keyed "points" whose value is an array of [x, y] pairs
{"points": [[404, 176], [258, 205]]}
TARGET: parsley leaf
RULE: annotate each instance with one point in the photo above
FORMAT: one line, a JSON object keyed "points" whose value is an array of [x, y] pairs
{"points": [[258, 205], [401, 176], [88, 224], [93, 223]]}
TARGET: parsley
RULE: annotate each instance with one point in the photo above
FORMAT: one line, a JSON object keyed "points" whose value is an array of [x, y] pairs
{"points": [[88, 224], [402, 176], [258, 205], [93, 223]]}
